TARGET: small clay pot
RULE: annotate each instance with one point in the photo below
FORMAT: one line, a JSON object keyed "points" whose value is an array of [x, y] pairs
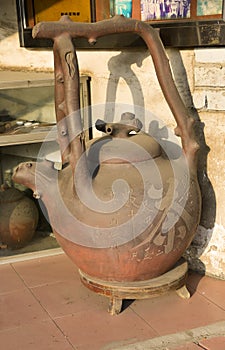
{"points": [[18, 218]]}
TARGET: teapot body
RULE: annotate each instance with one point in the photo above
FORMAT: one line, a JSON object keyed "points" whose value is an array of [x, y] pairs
{"points": [[147, 231]]}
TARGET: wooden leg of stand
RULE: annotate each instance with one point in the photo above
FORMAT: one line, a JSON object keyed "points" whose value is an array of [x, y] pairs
{"points": [[173, 280], [183, 292], [115, 306]]}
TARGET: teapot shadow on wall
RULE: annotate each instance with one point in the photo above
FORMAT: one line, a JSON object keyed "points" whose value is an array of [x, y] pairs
{"points": [[120, 68]]}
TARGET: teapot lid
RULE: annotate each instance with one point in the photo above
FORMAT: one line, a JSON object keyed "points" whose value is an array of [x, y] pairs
{"points": [[124, 142]]}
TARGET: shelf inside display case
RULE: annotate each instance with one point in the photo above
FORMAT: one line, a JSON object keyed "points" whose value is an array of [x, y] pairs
{"points": [[27, 138], [27, 112], [27, 107]]}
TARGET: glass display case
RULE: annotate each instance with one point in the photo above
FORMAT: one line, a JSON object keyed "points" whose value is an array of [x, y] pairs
{"points": [[27, 117]]}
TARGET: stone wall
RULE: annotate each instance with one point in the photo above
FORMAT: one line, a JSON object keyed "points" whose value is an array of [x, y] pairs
{"points": [[129, 78]]}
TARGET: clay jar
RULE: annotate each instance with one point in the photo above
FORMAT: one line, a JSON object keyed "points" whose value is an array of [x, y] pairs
{"points": [[18, 218]]}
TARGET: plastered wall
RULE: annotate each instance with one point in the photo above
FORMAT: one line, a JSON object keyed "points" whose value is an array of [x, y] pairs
{"points": [[129, 78]]}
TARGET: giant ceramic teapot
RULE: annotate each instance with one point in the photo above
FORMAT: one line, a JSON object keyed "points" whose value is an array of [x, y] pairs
{"points": [[121, 207]]}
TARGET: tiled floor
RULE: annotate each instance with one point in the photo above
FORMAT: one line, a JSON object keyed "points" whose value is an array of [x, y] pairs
{"points": [[44, 306]]}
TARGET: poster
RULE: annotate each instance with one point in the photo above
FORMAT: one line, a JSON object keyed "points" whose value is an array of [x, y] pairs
{"points": [[164, 9], [121, 7], [209, 7]]}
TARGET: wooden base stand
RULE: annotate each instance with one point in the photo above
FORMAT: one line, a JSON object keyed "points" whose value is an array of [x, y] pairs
{"points": [[175, 279]]}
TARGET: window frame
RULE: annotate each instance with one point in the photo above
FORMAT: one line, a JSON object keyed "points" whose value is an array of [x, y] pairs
{"points": [[196, 31]]}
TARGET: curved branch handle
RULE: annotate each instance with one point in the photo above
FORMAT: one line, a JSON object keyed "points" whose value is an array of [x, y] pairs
{"points": [[67, 98], [120, 24]]}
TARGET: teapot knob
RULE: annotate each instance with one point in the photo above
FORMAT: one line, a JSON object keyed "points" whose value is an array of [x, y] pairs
{"points": [[127, 123]]}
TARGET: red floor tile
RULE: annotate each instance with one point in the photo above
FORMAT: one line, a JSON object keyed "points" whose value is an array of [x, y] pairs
{"points": [[9, 280], [34, 336], [46, 270], [172, 314], [19, 308], [217, 343], [42, 302], [94, 329], [68, 297], [211, 288], [189, 346]]}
